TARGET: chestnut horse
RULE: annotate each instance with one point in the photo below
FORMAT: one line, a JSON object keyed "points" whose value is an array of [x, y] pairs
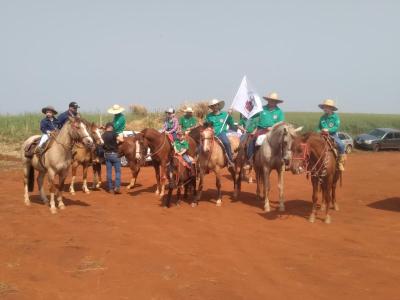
{"points": [[212, 157], [273, 154], [161, 151], [83, 156], [314, 154], [53, 162], [131, 149]]}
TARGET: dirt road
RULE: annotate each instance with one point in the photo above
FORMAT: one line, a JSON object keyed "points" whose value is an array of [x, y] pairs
{"points": [[128, 247]]}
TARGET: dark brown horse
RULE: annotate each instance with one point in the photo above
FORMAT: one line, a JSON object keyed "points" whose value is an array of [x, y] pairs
{"points": [[180, 177], [161, 151], [312, 153]]}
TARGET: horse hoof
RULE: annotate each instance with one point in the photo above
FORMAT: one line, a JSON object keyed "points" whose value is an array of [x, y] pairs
{"points": [[61, 206], [219, 203], [328, 220], [267, 208], [194, 204], [72, 193], [28, 203], [157, 192], [323, 207], [251, 180], [87, 192], [311, 219], [336, 207], [281, 208], [53, 210]]}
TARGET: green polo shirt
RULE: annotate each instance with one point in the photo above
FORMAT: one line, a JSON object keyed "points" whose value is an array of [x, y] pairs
{"points": [[180, 145], [330, 122], [119, 123], [249, 124], [269, 118], [186, 122], [217, 120]]}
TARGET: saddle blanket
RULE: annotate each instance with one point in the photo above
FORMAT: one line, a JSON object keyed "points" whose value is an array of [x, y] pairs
{"points": [[260, 139]]}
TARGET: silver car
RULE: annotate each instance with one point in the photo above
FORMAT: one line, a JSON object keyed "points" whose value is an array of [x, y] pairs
{"points": [[347, 141]]}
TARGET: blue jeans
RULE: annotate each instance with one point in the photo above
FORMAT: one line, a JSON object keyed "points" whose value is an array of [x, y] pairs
{"points": [[224, 139], [339, 142], [113, 160], [187, 159]]}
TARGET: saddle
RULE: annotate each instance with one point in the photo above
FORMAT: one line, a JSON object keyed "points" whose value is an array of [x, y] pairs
{"points": [[30, 149], [170, 137], [192, 169]]}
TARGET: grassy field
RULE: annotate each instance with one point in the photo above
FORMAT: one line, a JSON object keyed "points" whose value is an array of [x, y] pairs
{"points": [[15, 128]]}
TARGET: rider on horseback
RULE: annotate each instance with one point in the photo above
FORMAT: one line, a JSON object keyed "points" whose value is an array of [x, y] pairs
{"points": [[187, 122], [270, 115], [171, 123], [71, 112], [329, 124], [181, 147], [47, 126], [219, 120]]}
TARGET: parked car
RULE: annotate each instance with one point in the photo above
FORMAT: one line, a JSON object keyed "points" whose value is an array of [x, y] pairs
{"points": [[347, 141], [379, 138]]}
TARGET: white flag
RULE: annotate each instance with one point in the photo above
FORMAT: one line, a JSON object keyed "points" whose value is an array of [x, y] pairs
{"points": [[247, 101]]}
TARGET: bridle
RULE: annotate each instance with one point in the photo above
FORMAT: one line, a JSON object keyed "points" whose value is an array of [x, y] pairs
{"points": [[211, 138]]}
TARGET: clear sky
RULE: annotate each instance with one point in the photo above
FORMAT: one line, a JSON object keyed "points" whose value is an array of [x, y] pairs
{"points": [[161, 53]]}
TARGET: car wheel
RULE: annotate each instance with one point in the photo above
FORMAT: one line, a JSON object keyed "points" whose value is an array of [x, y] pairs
{"points": [[124, 161], [349, 149], [375, 147]]}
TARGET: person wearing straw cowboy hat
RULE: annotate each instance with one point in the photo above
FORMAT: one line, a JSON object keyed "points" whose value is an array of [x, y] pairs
{"points": [[329, 124], [47, 126], [187, 122], [171, 123], [267, 118], [119, 121], [220, 121]]}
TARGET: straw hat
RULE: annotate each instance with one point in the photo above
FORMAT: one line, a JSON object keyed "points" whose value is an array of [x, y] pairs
{"points": [[170, 110], [220, 103], [273, 97], [115, 109], [47, 108], [328, 102], [188, 110]]}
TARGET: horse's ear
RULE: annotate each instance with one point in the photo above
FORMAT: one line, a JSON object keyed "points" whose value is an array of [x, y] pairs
{"points": [[298, 129]]}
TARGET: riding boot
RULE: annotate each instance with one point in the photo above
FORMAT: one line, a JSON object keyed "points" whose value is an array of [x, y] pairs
{"points": [[342, 159], [39, 150]]}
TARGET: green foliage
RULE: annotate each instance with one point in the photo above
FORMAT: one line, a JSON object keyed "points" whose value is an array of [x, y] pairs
{"points": [[15, 128]]}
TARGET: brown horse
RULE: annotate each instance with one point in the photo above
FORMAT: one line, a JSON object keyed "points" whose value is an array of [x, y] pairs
{"points": [[53, 162], [212, 157], [314, 154], [131, 149], [180, 177], [161, 151], [84, 156]]}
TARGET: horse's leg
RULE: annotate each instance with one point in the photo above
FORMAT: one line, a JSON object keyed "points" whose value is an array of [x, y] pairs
{"points": [[74, 167], [40, 181], [218, 185], [51, 177], [98, 172], [135, 174], [265, 174], [163, 179], [250, 177], [178, 196], [238, 183], [168, 197], [62, 177], [200, 187], [335, 205], [27, 169], [280, 187], [315, 183], [156, 166], [328, 199], [85, 171]]}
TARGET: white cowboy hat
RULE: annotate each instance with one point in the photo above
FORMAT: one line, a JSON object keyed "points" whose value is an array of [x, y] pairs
{"points": [[188, 110], [220, 103], [328, 102], [170, 110], [115, 109], [273, 97]]}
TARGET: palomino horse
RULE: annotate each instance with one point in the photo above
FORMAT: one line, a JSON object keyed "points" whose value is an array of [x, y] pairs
{"points": [[273, 154], [180, 176], [81, 155], [161, 151], [314, 154], [212, 157], [55, 161], [131, 149]]}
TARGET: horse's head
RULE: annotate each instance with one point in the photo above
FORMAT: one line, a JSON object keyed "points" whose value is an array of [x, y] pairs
{"points": [[285, 133], [79, 131], [300, 155], [95, 133], [207, 139]]}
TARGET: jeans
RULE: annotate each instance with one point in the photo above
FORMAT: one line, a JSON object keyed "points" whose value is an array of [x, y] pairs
{"points": [[243, 137], [224, 139], [339, 142], [187, 159], [113, 160]]}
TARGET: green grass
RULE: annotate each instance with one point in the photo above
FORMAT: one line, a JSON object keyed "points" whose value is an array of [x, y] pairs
{"points": [[15, 128]]}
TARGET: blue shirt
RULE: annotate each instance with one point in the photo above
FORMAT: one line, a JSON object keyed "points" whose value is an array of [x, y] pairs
{"points": [[63, 118], [49, 125]]}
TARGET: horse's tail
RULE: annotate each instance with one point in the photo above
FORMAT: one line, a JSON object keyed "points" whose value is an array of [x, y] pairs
{"points": [[31, 178]]}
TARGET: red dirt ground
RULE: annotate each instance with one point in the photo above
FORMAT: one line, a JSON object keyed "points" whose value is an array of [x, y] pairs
{"points": [[128, 247]]}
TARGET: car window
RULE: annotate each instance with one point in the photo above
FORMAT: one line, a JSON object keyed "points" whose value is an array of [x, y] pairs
{"points": [[378, 133], [397, 135], [342, 136], [389, 135]]}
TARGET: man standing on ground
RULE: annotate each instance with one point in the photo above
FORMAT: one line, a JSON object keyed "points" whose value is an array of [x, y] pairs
{"points": [[112, 158]]}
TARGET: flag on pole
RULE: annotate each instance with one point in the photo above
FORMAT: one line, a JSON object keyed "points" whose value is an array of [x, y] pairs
{"points": [[247, 101]]}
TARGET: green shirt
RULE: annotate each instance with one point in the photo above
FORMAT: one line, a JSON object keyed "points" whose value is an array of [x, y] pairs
{"points": [[180, 145], [119, 123], [217, 120], [186, 122], [269, 118], [249, 124], [330, 122]]}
